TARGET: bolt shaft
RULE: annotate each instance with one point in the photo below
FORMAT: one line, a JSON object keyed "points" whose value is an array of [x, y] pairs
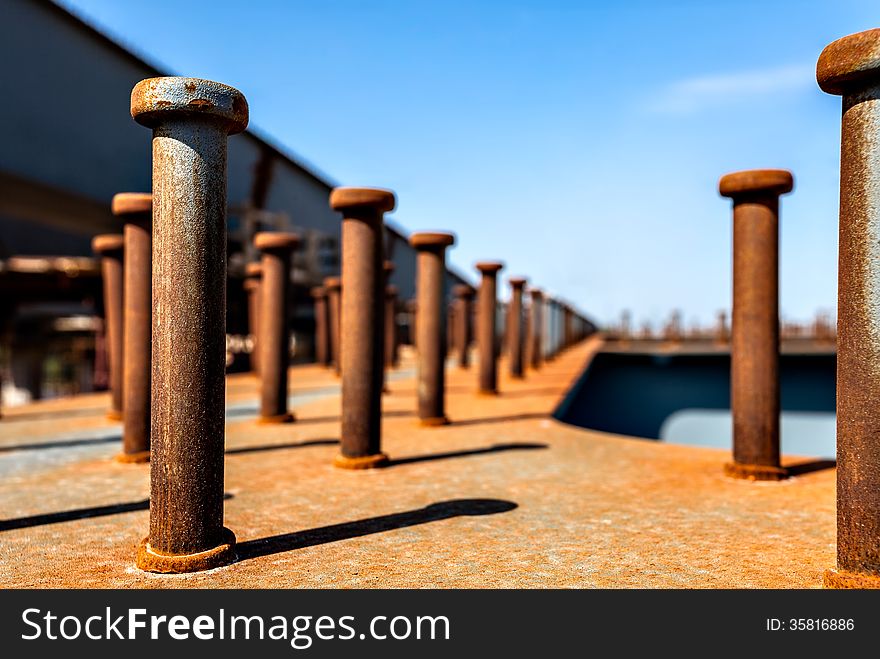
{"points": [[322, 327], [464, 331], [535, 330], [111, 249], [515, 328]]}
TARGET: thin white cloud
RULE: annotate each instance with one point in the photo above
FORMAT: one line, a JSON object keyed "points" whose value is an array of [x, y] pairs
{"points": [[692, 95]]}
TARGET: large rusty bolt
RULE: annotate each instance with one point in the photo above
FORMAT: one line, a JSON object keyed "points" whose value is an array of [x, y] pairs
{"points": [[111, 247], [430, 324], [464, 297], [515, 326], [136, 211], [274, 342], [754, 379], [363, 320], [534, 354], [322, 326], [333, 286], [190, 119], [487, 302], [253, 276], [850, 67]]}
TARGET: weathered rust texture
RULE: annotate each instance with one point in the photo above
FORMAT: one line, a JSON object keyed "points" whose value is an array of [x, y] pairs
{"points": [[111, 249], [451, 324], [322, 326], [430, 325], [754, 378], [534, 356], [515, 326], [333, 286], [850, 67], [487, 301], [253, 274], [274, 342], [136, 211], [464, 300], [190, 119], [363, 322]]}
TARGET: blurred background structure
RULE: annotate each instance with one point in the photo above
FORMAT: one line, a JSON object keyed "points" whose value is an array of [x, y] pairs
{"points": [[69, 145]]}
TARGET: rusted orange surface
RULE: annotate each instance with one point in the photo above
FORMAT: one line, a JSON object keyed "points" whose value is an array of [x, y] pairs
{"points": [[567, 507]]}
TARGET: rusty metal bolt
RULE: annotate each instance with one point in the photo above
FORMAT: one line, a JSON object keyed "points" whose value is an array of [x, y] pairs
{"points": [[253, 276], [136, 210], [464, 299], [392, 353], [390, 347], [190, 119], [850, 67], [722, 331], [534, 357], [333, 286], [111, 249], [755, 344], [363, 320], [487, 301], [274, 342], [430, 324], [322, 326], [515, 326], [388, 324]]}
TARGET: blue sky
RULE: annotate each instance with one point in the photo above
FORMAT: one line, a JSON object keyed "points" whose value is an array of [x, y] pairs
{"points": [[579, 142]]}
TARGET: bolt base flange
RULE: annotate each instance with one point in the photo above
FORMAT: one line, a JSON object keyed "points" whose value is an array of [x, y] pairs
{"points": [[843, 580], [139, 457], [755, 472], [434, 421], [361, 461], [149, 560], [278, 418]]}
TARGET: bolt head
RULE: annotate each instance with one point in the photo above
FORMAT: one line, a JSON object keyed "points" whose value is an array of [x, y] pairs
{"points": [[432, 239], [154, 100], [463, 290], [388, 266], [275, 241], [107, 243], [517, 282], [751, 181], [342, 199], [332, 283], [318, 292], [850, 62], [488, 267], [130, 203], [391, 290], [254, 270]]}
